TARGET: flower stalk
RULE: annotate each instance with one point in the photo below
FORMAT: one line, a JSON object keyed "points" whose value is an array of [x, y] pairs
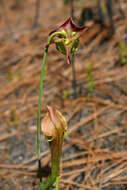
{"points": [[66, 38], [39, 111], [40, 102]]}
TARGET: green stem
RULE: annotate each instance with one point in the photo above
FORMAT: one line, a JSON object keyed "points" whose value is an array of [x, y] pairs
{"points": [[52, 178], [57, 182], [40, 103], [56, 149], [74, 81], [39, 111]]}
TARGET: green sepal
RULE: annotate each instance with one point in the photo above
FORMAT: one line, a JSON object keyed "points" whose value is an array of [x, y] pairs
{"points": [[75, 46], [60, 47]]}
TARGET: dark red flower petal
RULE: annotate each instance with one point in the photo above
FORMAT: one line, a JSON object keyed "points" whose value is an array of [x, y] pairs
{"points": [[69, 25]]}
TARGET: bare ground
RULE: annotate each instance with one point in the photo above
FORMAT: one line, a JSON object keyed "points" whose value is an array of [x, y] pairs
{"points": [[95, 150]]}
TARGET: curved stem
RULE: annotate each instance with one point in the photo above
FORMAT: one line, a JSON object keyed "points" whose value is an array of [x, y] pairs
{"points": [[40, 103]]}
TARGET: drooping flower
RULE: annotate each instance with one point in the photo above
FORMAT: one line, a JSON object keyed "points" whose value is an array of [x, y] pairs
{"points": [[66, 37]]}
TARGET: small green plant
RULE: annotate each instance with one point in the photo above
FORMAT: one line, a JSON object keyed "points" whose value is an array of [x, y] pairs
{"points": [[90, 79], [19, 75], [123, 52], [9, 76], [66, 39], [65, 94]]}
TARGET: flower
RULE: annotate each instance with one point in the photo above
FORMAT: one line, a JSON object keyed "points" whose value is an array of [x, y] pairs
{"points": [[53, 124], [53, 127], [66, 37]]}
